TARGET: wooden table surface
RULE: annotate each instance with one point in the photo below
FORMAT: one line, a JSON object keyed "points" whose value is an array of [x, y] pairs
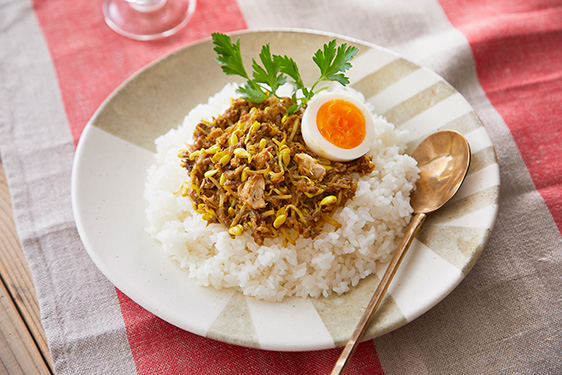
{"points": [[23, 347]]}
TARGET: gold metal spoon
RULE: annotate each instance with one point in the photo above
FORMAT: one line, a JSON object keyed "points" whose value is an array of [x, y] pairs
{"points": [[443, 159]]}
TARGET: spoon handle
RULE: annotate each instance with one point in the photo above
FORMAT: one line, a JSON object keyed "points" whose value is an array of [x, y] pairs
{"points": [[375, 301]]}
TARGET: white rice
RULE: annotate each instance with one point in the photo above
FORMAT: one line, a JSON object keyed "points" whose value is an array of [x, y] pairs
{"points": [[336, 260]]}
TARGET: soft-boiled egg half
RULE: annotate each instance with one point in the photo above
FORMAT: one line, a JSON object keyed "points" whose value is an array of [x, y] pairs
{"points": [[338, 126]]}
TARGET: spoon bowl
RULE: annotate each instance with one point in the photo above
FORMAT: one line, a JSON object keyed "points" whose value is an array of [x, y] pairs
{"points": [[443, 159]]}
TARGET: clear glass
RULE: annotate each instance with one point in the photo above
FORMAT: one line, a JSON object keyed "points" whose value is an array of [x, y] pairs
{"points": [[148, 19]]}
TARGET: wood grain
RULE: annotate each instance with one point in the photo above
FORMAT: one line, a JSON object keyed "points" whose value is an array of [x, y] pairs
{"points": [[18, 350], [23, 346]]}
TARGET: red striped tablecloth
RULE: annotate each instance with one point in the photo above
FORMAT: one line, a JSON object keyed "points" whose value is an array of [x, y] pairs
{"points": [[59, 61]]}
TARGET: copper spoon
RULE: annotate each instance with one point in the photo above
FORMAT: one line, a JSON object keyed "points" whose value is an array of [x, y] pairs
{"points": [[443, 159]]}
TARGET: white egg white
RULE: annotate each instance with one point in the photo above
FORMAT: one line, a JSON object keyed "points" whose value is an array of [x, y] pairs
{"points": [[322, 147]]}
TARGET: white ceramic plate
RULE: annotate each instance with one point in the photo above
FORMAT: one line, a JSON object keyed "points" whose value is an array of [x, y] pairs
{"points": [[117, 147]]}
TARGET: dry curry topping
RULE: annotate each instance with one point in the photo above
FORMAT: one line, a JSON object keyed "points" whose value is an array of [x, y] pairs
{"points": [[251, 170]]}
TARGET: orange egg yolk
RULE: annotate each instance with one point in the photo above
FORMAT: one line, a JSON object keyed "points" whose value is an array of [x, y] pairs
{"points": [[341, 123]]}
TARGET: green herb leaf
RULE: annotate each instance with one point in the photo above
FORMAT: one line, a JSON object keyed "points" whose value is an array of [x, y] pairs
{"points": [[323, 58], [252, 92], [292, 109], [290, 68], [270, 73], [333, 62], [229, 55]]}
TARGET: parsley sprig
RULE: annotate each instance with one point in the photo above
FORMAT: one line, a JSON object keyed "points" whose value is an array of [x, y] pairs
{"points": [[274, 70]]}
